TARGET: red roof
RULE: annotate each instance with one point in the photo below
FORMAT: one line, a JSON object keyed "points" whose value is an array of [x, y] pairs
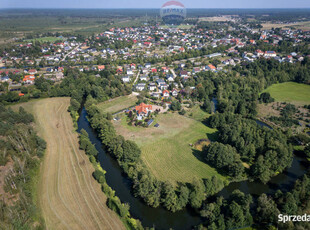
{"points": [[165, 92], [101, 67], [211, 66], [143, 108], [29, 77]]}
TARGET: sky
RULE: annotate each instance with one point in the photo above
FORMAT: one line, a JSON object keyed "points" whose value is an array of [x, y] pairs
{"points": [[153, 3]]}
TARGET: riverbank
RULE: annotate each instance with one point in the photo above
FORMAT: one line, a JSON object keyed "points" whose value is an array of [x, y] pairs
{"points": [[186, 218], [68, 195]]}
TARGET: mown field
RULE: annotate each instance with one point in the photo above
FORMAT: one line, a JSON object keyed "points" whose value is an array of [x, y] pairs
{"points": [[44, 39], [117, 104], [167, 150], [290, 92], [299, 25], [68, 195]]}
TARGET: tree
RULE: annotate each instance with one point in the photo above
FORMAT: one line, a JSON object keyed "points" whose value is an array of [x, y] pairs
{"points": [[74, 105], [131, 152], [266, 98], [197, 193], [176, 106], [267, 211], [307, 150]]}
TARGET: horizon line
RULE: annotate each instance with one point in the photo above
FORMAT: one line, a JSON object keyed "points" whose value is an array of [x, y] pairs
{"points": [[140, 8]]}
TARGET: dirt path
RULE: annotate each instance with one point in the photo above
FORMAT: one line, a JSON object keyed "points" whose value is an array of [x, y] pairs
{"points": [[68, 195]]}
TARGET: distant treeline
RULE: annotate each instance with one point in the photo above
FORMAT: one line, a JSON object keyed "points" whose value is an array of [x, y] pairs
{"points": [[271, 14]]}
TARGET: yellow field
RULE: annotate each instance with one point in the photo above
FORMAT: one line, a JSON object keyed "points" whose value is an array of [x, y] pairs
{"points": [[68, 195], [300, 25]]}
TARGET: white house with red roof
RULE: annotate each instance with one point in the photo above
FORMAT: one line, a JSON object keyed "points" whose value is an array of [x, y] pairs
{"points": [[210, 67], [165, 93], [143, 110]]}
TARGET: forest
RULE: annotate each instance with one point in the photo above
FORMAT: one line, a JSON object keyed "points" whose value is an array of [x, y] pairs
{"points": [[21, 153], [242, 140]]}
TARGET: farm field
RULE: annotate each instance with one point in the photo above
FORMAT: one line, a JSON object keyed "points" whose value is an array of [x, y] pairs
{"points": [[290, 92], [299, 25], [68, 195], [44, 39], [166, 150], [117, 104]]}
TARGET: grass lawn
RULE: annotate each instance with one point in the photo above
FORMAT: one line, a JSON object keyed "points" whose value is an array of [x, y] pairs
{"points": [[117, 104], [44, 39], [197, 113], [166, 150], [182, 26], [290, 92]]}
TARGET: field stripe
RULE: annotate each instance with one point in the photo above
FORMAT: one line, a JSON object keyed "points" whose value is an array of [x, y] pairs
{"points": [[69, 196]]}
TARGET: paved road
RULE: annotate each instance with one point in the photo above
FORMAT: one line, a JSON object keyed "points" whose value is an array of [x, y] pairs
{"points": [[137, 77], [66, 55], [174, 75]]}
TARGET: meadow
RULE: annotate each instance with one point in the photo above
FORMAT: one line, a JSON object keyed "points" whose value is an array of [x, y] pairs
{"points": [[44, 39], [290, 92], [117, 104], [67, 194], [168, 151]]}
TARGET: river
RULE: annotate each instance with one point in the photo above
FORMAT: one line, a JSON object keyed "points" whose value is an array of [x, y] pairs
{"points": [[186, 219]]}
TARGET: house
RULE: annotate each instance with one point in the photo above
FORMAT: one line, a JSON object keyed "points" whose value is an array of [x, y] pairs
{"points": [[210, 67], [270, 54], [181, 65], [165, 69], [32, 71], [129, 72], [29, 79], [49, 70], [119, 70], [140, 86], [143, 78], [145, 70], [174, 93], [60, 69], [160, 82], [155, 78], [196, 70], [148, 65], [252, 42], [169, 77], [213, 55], [133, 66], [154, 70], [152, 86], [165, 93], [4, 79], [126, 79], [183, 74], [101, 67], [155, 94], [164, 86], [143, 110]]}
